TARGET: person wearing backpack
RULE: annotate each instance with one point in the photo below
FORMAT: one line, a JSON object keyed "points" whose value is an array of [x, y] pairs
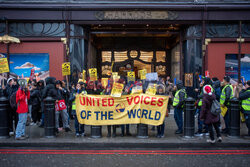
{"points": [[210, 119]]}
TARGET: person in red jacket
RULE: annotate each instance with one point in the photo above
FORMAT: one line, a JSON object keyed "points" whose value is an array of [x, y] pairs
{"points": [[22, 97]]}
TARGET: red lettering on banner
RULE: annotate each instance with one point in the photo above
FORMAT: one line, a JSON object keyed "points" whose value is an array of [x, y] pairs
{"points": [[141, 99], [111, 101], [98, 101], [82, 102], [88, 101], [130, 101], [160, 102], [153, 99], [135, 101], [104, 102], [145, 100]]}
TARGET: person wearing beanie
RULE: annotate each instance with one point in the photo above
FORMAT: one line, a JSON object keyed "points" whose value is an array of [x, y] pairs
{"points": [[178, 105], [244, 96], [226, 96], [209, 119]]}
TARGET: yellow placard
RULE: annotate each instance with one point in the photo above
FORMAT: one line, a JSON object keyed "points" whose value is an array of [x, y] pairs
{"points": [[4, 67], [223, 110], [129, 109], [151, 90], [137, 90], [117, 89], [142, 74], [105, 82], [84, 76], [131, 76], [93, 74], [66, 68]]}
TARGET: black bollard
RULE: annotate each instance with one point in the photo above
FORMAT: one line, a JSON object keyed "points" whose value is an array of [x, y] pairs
{"points": [[49, 117], [189, 111], [142, 131], [234, 116], [4, 116], [96, 132]]}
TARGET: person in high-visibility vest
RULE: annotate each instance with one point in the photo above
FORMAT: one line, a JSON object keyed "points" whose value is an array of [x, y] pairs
{"points": [[178, 105], [225, 97], [78, 90], [245, 103]]}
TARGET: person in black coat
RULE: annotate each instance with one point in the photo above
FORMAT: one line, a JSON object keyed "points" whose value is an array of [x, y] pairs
{"points": [[35, 101], [210, 119], [50, 89]]}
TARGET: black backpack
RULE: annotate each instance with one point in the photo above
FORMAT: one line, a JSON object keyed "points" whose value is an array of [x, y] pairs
{"points": [[215, 108]]}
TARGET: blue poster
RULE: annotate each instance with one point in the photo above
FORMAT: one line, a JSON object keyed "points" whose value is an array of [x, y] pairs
{"points": [[22, 63]]}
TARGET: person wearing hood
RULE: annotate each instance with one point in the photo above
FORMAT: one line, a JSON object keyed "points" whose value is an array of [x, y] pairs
{"points": [[35, 101], [178, 105], [61, 93], [40, 85], [226, 96], [210, 119]]}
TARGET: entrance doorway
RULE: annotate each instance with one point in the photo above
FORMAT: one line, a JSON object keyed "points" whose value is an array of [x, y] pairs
{"points": [[134, 47]]}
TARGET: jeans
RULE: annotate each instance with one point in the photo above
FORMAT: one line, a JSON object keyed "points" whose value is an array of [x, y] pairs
{"points": [[161, 129], [211, 132], [81, 129], [227, 121], [65, 119], [20, 130], [178, 118]]}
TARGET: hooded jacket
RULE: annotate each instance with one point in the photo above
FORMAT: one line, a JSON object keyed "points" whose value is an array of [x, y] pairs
{"points": [[179, 85], [22, 98], [50, 89], [206, 114]]}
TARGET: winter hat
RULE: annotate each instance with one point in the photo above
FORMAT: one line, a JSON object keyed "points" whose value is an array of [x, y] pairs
{"points": [[207, 90], [8, 81], [227, 78]]}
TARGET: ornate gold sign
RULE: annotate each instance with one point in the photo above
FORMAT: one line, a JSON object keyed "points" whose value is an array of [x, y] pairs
{"points": [[136, 15]]}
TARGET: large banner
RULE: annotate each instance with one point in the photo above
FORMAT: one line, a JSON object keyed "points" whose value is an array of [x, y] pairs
{"points": [[129, 109]]}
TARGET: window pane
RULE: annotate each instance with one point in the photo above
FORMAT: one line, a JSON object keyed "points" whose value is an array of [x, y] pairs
{"points": [[120, 56], [160, 56], [245, 67], [146, 56], [106, 56], [161, 70]]}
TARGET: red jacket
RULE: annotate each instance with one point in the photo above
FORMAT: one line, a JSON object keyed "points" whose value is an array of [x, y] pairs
{"points": [[22, 101]]}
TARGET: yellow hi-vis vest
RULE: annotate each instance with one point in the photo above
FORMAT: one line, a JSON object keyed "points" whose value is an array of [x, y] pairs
{"points": [[200, 102], [246, 103], [74, 102], [177, 97], [223, 94]]}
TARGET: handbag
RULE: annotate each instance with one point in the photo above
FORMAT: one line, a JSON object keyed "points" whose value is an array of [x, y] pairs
{"points": [[60, 105]]}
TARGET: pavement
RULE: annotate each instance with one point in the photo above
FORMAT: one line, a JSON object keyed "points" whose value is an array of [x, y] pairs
{"points": [[171, 140]]}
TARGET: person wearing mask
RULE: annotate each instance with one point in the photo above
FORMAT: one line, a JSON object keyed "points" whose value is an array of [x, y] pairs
{"points": [[211, 120], [61, 93], [226, 96], [35, 100], [22, 97], [79, 128], [178, 105], [244, 96]]}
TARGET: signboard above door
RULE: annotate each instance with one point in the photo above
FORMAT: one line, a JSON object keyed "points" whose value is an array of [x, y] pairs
{"points": [[136, 15]]}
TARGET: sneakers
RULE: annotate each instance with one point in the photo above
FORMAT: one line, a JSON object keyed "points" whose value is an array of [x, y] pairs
{"points": [[20, 138], [26, 136], [178, 132], [77, 134], [210, 141], [83, 134], [219, 139], [32, 124]]}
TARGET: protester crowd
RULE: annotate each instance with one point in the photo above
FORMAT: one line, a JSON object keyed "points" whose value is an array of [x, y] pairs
{"points": [[27, 103]]}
